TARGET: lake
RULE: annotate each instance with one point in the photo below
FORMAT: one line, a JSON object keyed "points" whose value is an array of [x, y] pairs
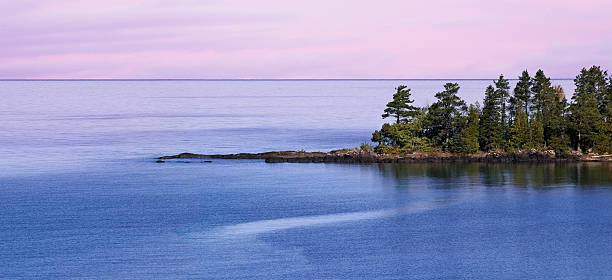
{"points": [[82, 197]]}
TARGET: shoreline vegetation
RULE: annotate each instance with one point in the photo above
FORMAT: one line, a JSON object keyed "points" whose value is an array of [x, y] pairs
{"points": [[533, 123]]}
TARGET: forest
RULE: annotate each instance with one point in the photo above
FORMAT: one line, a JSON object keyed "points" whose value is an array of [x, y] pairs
{"points": [[534, 115]]}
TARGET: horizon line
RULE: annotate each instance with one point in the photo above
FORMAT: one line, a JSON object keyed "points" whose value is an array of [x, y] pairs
{"points": [[257, 79]]}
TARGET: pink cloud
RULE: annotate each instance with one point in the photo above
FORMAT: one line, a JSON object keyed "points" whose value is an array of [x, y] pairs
{"points": [[313, 39]]}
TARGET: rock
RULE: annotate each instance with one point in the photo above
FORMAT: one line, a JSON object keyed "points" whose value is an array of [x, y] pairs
{"points": [[357, 156]]}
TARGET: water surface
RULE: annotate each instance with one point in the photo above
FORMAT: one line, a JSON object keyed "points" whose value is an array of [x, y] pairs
{"points": [[81, 196]]}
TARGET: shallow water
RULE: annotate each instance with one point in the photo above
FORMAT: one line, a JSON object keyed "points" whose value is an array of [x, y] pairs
{"points": [[81, 195]]}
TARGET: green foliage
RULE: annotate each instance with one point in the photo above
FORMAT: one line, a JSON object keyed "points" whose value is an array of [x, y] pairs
{"points": [[502, 90], [446, 118], [549, 105], [537, 115], [589, 112], [520, 130], [491, 129], [536, 126], [522, 94], [400, 107], [541, 86], [594, 81], [555, 128], [388, 149], [469, 135], [408, 136], [585, 121], [365, 147], [388, 135], [603, 140]]}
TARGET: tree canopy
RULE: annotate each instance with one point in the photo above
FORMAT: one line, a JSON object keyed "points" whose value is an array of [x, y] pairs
{"points": [[400, 107], [536, 115]]}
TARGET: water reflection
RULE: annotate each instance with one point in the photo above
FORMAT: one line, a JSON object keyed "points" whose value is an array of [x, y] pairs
{"points": [[450, 175]]}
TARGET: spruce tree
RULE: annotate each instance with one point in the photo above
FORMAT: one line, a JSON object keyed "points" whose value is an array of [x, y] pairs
{"points": [[522, 92], [594, 81], [520, 130], [536, 127], [469, 135], [585, 119], [540, 87], [400, 107], [549, 109], [446, 117], [556, 126], [604, 140], [503, 92], [491, 130]]}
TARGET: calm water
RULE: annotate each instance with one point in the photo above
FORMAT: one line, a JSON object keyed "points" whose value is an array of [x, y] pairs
{"points": [[81, 196]]}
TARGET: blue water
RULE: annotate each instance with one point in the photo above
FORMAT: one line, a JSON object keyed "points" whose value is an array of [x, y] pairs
{"points": [[82, 197]]}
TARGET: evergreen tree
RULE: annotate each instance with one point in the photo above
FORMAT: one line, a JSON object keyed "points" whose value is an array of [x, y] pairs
{"points": [[555, 128], [414, 130], [389, 135], [469, 135], [520, 130], [589, 111], [608, 111], [604, 139], [536, 127], [594, 81], [446, 118], [491, 130], [585, 119], [406, 133], [549, 106], [503, 93], [400, 107], [522, 92], [537, 115], [540, 87]]}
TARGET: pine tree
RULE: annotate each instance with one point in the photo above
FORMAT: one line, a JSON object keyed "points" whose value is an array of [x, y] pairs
{"points": [[491, 130], [604, 140], [469, 135], [540, 86], [589, 111], [400, 107], [585, 120], [536, 126], [594, 81], [550, 108], [446, 117], [555, 128], [522, 92], [520, 130], [503, 93]]}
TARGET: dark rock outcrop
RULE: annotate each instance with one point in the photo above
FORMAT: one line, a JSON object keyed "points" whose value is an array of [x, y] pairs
{"points": [[357, 156]]}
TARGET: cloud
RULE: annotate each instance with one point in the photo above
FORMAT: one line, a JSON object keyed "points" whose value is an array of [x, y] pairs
{"points": [[309, 39]]}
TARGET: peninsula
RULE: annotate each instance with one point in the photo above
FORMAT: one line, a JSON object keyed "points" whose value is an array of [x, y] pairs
{"points": [[359, 156], [534, 123]]}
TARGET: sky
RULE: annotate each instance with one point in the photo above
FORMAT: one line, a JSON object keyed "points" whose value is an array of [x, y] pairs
{"points": [[275, 39]]}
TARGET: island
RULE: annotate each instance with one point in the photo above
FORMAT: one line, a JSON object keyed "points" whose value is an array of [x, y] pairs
{"points": [[534, 123]]}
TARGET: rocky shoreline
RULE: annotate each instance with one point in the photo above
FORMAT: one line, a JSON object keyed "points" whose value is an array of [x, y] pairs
{"points": [[358, 156]]}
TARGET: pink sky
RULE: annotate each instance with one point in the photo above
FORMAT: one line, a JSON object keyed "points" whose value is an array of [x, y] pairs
{"points": [[305, 39]]}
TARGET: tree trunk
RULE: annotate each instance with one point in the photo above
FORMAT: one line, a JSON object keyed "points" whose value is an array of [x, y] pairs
{"points": [[579, 149]]}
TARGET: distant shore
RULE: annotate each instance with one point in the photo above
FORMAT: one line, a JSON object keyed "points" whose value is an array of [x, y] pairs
{"points": [[358, 156]]}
